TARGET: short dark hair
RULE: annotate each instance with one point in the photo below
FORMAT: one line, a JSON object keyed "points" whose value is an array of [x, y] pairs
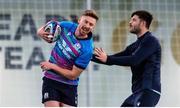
{"points": [[91, 13], [144, 15]]}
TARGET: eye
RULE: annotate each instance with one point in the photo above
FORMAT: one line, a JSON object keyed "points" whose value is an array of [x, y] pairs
{"points": [[86, 21], [91, 24], [133, 19]]}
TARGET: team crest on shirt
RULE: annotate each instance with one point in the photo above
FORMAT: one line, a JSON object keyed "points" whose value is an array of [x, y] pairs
{"points": [[69, 33], [77, 46]]}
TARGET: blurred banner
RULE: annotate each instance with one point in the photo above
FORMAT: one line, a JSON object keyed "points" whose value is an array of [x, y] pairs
{"points": [[21, 50]]}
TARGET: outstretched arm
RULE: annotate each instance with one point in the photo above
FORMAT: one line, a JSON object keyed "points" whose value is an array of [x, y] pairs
{"points": [[145, 50], [70, 74], [99, 52]]}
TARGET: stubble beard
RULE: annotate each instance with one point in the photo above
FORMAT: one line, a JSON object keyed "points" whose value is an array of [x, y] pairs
{"points": [[135, 30], [84, 32]]}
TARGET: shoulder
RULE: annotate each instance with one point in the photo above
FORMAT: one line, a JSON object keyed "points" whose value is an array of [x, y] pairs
{"points": [[67, 24], [87, 43], [87, 46], [151, 38]]}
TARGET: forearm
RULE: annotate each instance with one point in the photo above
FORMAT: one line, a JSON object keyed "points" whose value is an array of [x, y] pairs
{"points": [[122, 61], [64, 72]]}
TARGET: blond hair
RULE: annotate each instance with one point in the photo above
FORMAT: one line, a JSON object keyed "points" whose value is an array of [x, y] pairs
{"points": [[91, 13]]}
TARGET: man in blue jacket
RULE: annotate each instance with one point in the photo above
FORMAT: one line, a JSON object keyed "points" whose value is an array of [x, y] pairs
{"points": [[144, 58]]}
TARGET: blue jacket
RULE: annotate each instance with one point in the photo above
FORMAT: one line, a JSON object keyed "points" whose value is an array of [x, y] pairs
{"points": [[144, 58]]}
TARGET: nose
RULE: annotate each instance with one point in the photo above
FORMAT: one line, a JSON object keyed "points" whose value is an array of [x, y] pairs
{"points": [[87, 25], [130, 23]]}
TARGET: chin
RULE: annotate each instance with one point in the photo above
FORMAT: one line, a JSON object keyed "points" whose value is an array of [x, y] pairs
{"points": [[131, 31], [84, 33], [134, 32]]}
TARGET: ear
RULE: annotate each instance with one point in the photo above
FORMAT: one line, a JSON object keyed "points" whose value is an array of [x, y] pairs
{"points": [[79, 20], [144, 23]]}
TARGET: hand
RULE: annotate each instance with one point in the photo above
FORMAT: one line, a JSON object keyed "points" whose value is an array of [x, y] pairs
{"points": [[46, 65], [100, 54], [44, 35]]}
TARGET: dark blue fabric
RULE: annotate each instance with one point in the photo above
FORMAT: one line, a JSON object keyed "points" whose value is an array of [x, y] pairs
{"points": [[144, 57], [53, 90], [144, 98]]}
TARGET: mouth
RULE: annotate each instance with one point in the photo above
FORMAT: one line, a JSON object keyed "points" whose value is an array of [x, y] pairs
{"points": [[85, 30], [131, 27]]}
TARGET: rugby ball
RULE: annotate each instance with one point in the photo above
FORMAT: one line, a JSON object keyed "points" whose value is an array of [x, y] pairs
{"points": [[54, 29]]}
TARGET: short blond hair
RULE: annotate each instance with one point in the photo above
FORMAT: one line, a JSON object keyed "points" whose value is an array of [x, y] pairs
{"points": [[92, 13]]}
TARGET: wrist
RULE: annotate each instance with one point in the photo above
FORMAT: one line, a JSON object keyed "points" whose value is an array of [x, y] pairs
{"points": [[53, 66]]}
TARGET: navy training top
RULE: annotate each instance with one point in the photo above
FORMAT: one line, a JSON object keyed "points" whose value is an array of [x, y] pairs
{"points": [[144, 58]]}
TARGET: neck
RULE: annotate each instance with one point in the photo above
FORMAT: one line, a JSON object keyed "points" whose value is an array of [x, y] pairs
{"points": [[142, 33]]}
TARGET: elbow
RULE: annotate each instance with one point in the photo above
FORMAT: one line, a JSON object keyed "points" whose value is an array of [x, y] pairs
{"points": [[72, 77], [134, 62]]}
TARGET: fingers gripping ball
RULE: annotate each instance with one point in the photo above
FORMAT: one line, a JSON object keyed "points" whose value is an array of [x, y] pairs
{"points": [[54, 28]]}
